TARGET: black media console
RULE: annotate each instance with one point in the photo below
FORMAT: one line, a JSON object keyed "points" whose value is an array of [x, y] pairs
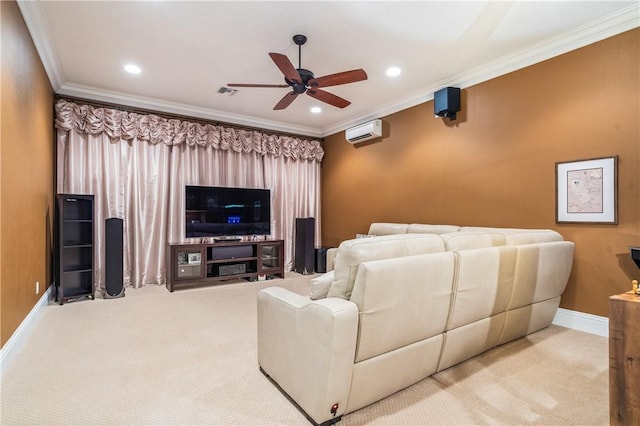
{"points": [[196, 265]]}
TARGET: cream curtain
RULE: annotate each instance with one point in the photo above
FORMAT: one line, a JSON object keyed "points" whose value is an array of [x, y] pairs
{"points": [[137, 166]]}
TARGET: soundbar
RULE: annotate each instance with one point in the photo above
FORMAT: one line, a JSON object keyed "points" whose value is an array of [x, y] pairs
{"points": [[225, 239]]}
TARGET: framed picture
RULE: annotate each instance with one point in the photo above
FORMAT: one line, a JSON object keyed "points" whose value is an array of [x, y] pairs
{"points": [[586, 191], [194, 258], [183, 258]]}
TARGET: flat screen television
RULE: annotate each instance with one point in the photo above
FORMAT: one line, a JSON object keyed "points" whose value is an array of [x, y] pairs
{"points": [[213, 211]]}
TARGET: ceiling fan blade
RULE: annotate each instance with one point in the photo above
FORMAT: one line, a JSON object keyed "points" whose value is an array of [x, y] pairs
{"points": [[345, 77], [286, 67], [286, 101], [329, 98], [256, 85]]}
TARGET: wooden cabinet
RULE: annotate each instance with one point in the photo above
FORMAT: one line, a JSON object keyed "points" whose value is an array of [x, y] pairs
{"points": [[624, 359], [74, 251], [271, 258], [194, 265]]}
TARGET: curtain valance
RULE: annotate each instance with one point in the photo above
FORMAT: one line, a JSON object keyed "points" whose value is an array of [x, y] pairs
{"points": [[155, 129]]}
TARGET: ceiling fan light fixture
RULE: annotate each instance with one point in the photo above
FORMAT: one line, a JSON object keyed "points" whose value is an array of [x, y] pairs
{"points": [[316, 110]]}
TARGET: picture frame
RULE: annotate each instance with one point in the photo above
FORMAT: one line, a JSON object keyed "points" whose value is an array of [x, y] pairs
{"points": [[194, 258], [587, 191], [183, 258]]}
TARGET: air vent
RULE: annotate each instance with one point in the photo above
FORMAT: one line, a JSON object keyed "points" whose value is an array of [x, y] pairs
{"points": [[360, 137], [226, 91]]}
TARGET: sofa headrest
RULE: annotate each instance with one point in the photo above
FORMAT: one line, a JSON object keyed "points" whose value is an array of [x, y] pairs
{"points": [[532, 236], [352, 253], [472, 240], [515, 236], [490, 229], [420, 228], [381, 228]]}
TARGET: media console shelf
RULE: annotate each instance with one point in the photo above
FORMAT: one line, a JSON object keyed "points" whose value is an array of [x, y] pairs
{"points": [[196, 265]]}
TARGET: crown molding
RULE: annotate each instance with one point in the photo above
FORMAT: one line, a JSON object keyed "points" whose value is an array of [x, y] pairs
{"points": [[592, 32], [38, 27], [112, 97], [608, 26]]}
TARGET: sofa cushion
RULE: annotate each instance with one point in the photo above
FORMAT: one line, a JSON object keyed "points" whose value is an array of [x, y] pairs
{"points": [[472, 240], [529, 318], [401, 301], [420, 228], [320, 286], [470, 340], [381, 228], [352, 253], [483, 284], [542, 272]]}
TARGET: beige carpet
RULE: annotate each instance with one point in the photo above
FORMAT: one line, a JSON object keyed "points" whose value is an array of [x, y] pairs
{"points": [[189, 357]]}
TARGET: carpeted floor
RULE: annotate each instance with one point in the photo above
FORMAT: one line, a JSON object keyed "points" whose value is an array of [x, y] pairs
{"points": [[189, 357]]}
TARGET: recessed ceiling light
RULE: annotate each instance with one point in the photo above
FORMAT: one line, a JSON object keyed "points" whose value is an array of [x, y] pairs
{"points": [[393, 71], [316, 110], [132, 69]]}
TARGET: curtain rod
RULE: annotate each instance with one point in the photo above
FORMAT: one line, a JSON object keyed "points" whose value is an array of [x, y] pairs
{"points": [[169, 115]]}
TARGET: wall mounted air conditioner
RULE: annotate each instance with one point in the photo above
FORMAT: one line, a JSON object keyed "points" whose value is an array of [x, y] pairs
{"points": [[365, 131]]}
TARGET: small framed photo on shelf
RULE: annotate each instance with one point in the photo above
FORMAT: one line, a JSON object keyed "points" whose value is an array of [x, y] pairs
{"points": [[183, 258], [586, 191], [194, 258]]}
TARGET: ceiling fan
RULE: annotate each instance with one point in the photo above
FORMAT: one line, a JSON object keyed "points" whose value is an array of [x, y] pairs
{"points": [[301, 80]]}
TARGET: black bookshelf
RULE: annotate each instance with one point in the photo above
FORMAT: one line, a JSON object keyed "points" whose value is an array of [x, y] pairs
{"points": [[74, 253]]}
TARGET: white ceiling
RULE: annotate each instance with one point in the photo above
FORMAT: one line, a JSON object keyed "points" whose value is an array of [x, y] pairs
{"points": [[188, 50]]}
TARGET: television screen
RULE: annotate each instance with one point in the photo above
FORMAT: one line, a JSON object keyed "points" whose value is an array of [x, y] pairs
{"points": [[212, 211]]}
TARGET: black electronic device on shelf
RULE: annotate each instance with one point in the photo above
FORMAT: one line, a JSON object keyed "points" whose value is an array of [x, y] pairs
{"points": [[635, 255]]}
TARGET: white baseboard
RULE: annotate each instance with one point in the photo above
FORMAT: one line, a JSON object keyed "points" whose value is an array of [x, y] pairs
{"points": [[13, 344], [580, 321]]}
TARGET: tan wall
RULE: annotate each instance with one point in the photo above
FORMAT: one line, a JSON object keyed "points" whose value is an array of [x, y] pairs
{"points": [[26, 173], [496, 165]]}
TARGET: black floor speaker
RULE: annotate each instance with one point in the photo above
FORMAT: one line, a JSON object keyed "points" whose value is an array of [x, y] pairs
{"points": [[113, 255], [304, 257]]}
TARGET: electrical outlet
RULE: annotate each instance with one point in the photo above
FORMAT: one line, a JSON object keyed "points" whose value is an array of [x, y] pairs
{"points": [[37, 287]]}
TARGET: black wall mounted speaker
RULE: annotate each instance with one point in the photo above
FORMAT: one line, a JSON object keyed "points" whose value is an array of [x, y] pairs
{"points": [[113, 255], [446, 102], [305, 245]]}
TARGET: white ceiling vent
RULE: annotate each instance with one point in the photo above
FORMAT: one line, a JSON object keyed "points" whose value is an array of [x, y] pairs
{"points": [[227, 91], [364, 132]]}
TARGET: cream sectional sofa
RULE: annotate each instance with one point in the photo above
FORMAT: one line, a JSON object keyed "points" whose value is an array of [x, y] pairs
{"points": [[404, 306]]}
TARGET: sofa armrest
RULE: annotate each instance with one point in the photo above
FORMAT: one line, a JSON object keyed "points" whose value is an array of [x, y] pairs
{"points": [[308, 347]]}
